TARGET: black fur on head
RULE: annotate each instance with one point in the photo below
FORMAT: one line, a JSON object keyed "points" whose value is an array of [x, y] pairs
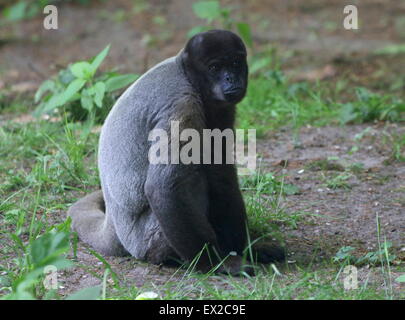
{"points": [[215, 64]]}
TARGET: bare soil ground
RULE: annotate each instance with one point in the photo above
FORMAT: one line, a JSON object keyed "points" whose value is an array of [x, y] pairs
{"points": [[314, 33], [343, 216]]}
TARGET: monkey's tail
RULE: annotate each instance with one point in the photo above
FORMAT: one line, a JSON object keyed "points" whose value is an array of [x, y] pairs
{"points": [[93, 226]]}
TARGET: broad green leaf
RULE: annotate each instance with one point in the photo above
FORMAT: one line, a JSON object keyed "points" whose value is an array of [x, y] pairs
{"points": [[86, 100], [92, 293], [364, 94], [72, 89], [34, 10], [75, 97], [66, 76], [245, 33], [66, 96], [119, 82], [54, 102], [91, 91], [99, 91], [47, 250], [392, 49], [16, 12], [400, 278], [48, 246], [82, 70], [47, 85], [347, 113], [343, 253], [57, 261], [225, 13], [23, 290], [209, 10], [258, 64], [290, 189], [99, 59]]}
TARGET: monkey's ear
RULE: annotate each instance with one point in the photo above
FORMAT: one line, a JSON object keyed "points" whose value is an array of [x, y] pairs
{"points": [[186, 58]]}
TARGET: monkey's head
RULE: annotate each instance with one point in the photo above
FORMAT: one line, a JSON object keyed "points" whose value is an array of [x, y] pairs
{"points": [[215, 63]]}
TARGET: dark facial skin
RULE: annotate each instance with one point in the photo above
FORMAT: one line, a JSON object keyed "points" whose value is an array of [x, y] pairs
{"points": [[215, 63]]}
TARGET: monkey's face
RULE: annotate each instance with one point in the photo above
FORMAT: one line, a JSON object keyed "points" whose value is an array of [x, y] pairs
{"points": [[216, 64], [227, 76]]}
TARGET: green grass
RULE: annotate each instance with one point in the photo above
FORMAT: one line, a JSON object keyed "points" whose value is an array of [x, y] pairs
{"points": [[40, 162], [272, 102], [267, 285], [338, 181]]}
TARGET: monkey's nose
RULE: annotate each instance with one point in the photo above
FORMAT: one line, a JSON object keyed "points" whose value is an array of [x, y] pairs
{"points": [[229, 79]]}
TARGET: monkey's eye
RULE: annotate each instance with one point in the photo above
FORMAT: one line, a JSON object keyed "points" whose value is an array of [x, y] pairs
{"points": [[214, 67], [236, 63]]}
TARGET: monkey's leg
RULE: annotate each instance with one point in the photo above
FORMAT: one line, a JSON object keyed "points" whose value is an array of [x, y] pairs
{"points": [[94, 226], [139, 231]]}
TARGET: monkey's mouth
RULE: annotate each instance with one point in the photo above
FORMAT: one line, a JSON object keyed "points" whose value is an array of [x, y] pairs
{"points": [[234, 94]]}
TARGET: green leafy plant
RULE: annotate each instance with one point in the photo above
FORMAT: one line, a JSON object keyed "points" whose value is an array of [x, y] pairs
{"points": [[216, 16], [46, 250], [80, 91], [338, 181], [268, 184], [397, 142], [374, 257], [398, 152], [22, 10], [212, 12], [345, 254], [90, 293], [324, 165], [372, 106], [392, 49]]}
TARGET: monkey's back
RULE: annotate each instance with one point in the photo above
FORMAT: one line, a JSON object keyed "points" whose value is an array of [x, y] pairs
{"points": [[124, 145]]}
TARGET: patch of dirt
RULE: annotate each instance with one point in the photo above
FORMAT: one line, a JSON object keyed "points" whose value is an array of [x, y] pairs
{"points": [[342, 216], [131, 272]]}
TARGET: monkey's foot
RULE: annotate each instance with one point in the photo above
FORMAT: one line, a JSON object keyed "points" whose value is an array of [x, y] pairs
{"points": [[267, 253], [233, 265]]}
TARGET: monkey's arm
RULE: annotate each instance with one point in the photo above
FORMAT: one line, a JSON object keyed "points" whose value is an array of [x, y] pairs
{"points": [[228, 215], [177, 195]]}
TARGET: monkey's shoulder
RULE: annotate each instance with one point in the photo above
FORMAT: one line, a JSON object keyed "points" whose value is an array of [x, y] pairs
{"points": [[158, 92], [162, 82]]}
